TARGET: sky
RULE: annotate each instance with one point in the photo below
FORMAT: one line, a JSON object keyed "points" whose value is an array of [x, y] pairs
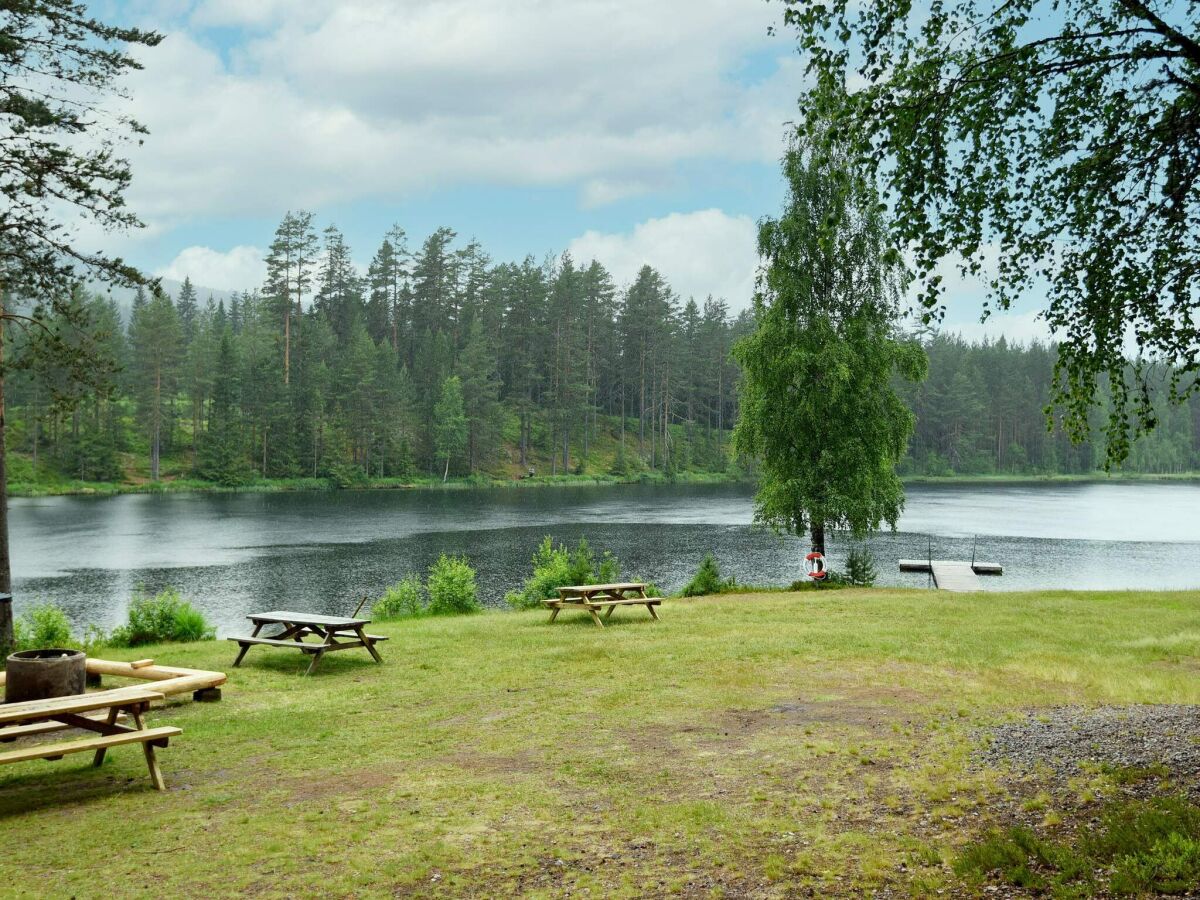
{"points": [[628, 131]]}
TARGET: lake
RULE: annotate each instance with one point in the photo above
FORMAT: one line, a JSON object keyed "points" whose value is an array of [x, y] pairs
{"points": [[237, 553]]}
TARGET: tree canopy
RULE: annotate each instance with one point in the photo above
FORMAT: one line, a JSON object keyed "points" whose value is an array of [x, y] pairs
{"points": [[59, 139], [1042, 145], [817, 401]]}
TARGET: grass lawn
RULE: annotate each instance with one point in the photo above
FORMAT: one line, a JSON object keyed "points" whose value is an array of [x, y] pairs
{"points": [[773, 745]]}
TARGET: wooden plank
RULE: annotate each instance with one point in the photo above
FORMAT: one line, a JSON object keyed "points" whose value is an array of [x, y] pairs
{"points": [[628, 601], [48, 751], [141, 663], [955, 576], [284, 617], [272, 642], [77, 703], [923, 565], [16, 731], [596, 588]]}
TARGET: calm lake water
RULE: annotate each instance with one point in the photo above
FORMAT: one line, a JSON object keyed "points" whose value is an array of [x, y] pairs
{"points": [[238, 553]]}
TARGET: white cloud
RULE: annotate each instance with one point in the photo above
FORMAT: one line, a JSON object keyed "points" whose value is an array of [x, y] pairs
{"points": [[237, 269], [699, 253], [334, 102]]}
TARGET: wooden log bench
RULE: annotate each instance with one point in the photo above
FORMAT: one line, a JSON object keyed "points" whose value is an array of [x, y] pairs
{"points": [[35, 717], [607, 597]]}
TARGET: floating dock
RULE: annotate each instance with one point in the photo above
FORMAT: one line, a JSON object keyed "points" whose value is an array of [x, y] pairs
{"points": [[952, 575]]}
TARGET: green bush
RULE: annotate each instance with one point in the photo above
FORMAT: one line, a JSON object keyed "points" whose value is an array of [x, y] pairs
{"points": [[452, 589], [159, 619], [1139, 847], [860, 567], [43, 627], [707, 579], [554, 566], [403, 600]]}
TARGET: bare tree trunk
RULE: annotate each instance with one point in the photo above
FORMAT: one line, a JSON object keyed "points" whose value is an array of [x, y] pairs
{"points": [[287, 342], [818, 537], [37, 401], [446, 473], [154, 443], [6, 622]]}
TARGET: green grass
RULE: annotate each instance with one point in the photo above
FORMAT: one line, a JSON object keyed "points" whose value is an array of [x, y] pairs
{"points": [[1096, 477], [175, 485], [766, 745]]}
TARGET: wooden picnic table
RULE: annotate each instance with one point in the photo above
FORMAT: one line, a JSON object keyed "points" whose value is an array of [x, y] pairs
{"points": [[34, 717], [332, 633], [592, 597]]}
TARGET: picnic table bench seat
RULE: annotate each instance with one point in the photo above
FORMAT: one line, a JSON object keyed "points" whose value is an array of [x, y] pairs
{"points": [[156, 736], [33, 717]]}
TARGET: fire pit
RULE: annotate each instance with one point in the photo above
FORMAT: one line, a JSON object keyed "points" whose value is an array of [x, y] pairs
{"points": [[39, 674]]}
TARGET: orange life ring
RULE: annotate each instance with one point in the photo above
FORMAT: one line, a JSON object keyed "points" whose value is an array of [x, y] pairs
{"points": [[815, 564]]}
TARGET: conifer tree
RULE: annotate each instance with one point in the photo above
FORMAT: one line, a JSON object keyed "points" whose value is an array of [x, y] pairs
{"points": [[222, 458], [450, 423], [156, 340], [291, 260], [481, 390], [189, 309]]}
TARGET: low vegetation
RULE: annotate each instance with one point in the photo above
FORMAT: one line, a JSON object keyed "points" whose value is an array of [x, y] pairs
{"points": [[42, 627], [860, 567], [767, 745], [450, 590], [160, 618], [402, 600], [1136, 849], [451, 586], [708, 580], [555, 566]]}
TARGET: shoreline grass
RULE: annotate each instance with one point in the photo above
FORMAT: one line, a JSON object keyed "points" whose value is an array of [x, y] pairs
{"points": [[769, 745], [281, 485]]}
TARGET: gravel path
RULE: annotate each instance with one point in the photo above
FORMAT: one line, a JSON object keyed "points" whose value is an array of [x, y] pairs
{"points": [[1063, 737]]}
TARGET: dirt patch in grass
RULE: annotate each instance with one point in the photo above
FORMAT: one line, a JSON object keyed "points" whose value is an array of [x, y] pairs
{"points": [[876, 710], [328, 786], [525, 762]]}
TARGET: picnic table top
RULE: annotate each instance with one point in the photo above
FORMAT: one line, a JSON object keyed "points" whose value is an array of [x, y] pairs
{"points": [[75, 703], [595, 588], [304, 618]]}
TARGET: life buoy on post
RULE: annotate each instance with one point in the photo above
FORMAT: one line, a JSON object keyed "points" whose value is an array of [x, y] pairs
{"points": [[815, 565]]}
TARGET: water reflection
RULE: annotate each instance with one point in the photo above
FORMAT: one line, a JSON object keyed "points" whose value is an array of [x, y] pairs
{"points": [[235, 553]]}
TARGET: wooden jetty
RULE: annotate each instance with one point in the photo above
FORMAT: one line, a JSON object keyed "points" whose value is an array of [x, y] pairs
{"points": [[953, 575]]}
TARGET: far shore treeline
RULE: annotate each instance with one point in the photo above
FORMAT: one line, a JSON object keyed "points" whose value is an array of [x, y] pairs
{"points": [[444, 362]]}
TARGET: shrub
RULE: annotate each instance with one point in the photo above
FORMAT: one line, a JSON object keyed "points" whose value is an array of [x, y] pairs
{"points": [[42, 627], [159, 619], [452, 589], [707, 579], [403, 600], [554, 567], [1139, 847], [860, 567]]}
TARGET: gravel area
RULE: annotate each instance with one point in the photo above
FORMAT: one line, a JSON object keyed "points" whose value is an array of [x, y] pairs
{"points": [[1062, 738]]}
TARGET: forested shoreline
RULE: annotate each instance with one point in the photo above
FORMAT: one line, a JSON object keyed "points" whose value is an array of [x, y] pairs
{"points": [[441, 363]]}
